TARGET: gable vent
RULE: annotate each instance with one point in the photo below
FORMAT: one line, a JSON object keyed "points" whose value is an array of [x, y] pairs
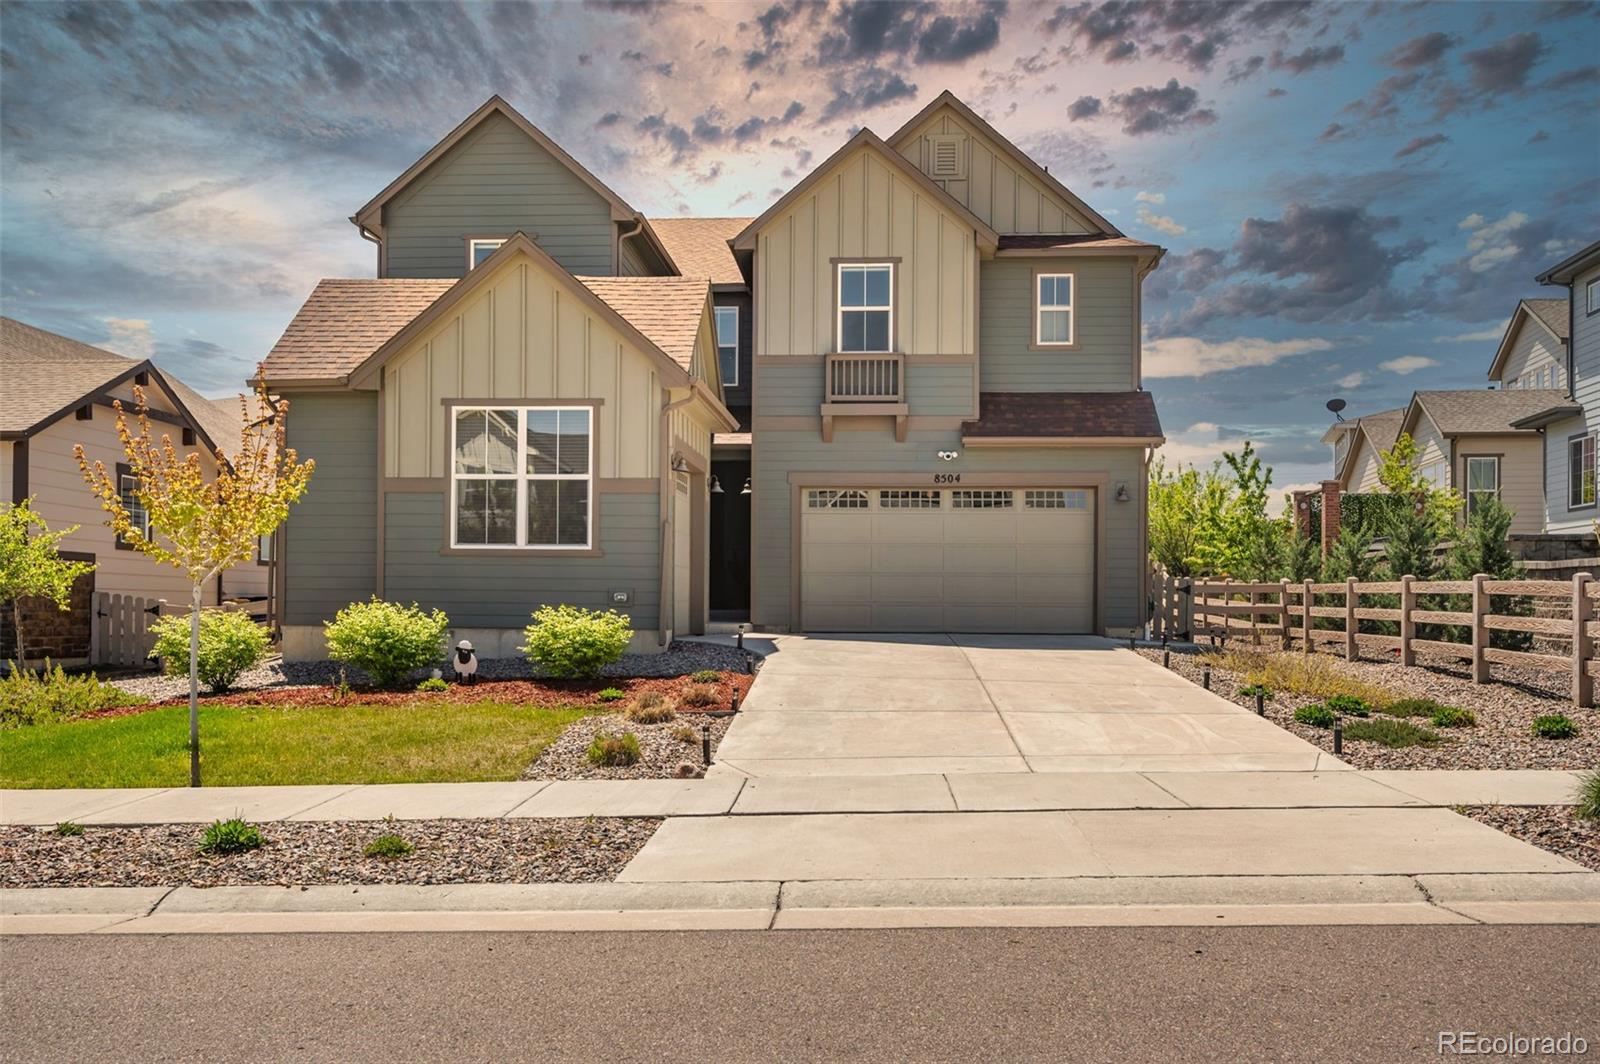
{"points": [[947, 157]]}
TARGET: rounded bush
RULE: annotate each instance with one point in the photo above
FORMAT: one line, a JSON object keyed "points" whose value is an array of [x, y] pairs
{"points": [[230, 836], [1348, 705], [230, 643], [1554, 726], [614, 751], [386, 640], [1251, 690], [389, 847], [611, 694], [1453, 717], [433, 683], [1318, 715], [572, 643], [705, 676], [1413, 707]]}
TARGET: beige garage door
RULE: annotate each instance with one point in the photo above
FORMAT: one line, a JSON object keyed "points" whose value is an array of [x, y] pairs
{"points": [[947, 560]]}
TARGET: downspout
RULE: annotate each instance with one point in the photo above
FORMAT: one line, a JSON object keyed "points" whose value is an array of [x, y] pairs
{"points": [[368, 234], [638, 227], [668, 491]]}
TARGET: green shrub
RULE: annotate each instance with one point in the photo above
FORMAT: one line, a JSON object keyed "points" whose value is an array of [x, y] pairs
{"points": [[611, 694], [230, 836], [1251, 690], [1453, 717], [1413, 707], [1318, 715], [614, 750], [1348, 705], [386, 640], [573, 643], [433, 683], [230, 643], [68, 829], [1554, 726], [1391, 732], [389, 846], [698, 695], [705, 676], [28, 698], [1588, 797], [651, 708]]}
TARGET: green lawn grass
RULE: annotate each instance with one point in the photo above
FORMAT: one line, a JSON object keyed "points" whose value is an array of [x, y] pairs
{"points": [[244, 745]]}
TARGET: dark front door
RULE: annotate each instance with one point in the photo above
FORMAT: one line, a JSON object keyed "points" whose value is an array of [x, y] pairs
{"points": [[730, 541]]}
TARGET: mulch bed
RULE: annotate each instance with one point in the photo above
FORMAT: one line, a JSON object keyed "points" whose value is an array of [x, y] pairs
{"points": [[1549, 827], [542, 693], [590, 850], [660, 750], [1505, 711]]}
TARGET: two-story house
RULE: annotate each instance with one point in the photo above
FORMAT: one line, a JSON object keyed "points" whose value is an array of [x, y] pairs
{"points": [[1570, 423], [905, 397]]}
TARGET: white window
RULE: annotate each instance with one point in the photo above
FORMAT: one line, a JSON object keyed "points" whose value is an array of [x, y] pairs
{"points": [[866, 307], [1053, 325], [522, 477], [1056, 499], [1483, 480], [480, 249], [1580, 471], [1433, 473], [913, 499], [128, 491], [264, 549], [980, 500], [836, 500], [728, 344], [1591, 296]]}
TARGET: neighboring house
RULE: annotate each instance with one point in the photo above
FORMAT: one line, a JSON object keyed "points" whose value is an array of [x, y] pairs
{"points": [[58, 393], [1570, 424], [907, 396], [1533, 351], [1358, 444]]}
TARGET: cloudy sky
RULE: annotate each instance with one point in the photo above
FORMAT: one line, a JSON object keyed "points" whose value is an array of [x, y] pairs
{"points": [[1354, 195]]}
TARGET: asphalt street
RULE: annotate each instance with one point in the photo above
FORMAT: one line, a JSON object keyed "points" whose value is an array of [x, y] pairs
{"points": [[1235, 994]]}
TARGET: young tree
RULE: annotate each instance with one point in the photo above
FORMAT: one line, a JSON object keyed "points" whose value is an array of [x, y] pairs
{"points": [[31, 565], [1174, 505], [1399, 475], [1302, 554], [1349, 557], [1411, 542], [198, 526], [1480, 546]]}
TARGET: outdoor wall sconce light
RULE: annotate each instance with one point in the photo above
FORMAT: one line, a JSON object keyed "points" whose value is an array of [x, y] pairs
{"points": [[716, 488], [1122, 493], [746, 489], [678, 464], [949, 456]]}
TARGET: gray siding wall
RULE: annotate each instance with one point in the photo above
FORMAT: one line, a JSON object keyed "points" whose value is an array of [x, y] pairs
{"points": [[331, 545], [1586, 389], [933, 389], [1101, 359], [739, 397], [503, 591], [778, 453], [495, 182]]}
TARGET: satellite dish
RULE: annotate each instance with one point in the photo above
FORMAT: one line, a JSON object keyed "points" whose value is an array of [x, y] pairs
{"points": [[1336, 405]]}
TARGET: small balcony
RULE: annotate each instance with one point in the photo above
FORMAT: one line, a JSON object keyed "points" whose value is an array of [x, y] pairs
{"points": [[864, 385]]}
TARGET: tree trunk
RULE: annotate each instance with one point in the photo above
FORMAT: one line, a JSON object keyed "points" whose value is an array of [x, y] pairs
{"points": [[194, 687], [16, 622]]}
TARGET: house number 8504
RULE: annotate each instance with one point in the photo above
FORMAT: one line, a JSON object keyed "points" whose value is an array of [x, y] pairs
{"points": [[947, 478]]}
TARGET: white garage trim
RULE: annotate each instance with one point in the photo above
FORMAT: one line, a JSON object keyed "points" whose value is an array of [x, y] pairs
{"points": [[800, 482]]}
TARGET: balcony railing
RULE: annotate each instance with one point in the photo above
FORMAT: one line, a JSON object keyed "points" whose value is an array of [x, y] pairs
{"points": [[864, 379]]}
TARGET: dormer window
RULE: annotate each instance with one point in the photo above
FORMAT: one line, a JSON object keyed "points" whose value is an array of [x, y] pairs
{"points": [[480, 248], [866, 307]]}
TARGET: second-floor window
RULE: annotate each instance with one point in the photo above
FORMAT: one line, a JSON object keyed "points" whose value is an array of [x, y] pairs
{"points": [[1591, 297], [728, 345], [866, 306], [1580, 471], [1483, 481], [479, 249], [522, 477], [128, 491], [1053, 325]]}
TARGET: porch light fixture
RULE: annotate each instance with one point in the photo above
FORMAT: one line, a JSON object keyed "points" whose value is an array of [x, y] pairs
{"points": [[949, 456], [678, 463], [746, 489], [1122, 493], [716, 488]]}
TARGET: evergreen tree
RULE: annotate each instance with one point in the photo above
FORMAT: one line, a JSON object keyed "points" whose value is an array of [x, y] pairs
{"points": [[1480, 547], [1411, 537], [1349, 557]]}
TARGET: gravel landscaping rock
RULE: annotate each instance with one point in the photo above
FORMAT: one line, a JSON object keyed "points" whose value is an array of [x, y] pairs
{"points": [[660, 751], [447, 851], [1549, 827], [1505, 711]]}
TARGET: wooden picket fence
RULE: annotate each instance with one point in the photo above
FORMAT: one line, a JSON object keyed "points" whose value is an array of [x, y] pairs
{"points": [[121, 634], [1284, 613]]}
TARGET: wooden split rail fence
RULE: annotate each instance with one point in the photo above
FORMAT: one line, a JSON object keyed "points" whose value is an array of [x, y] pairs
{"points": [[1286, 613]]}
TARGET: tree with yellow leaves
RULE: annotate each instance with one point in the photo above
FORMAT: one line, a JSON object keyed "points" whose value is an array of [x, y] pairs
{"points": [[201, 527], [31, 565]]}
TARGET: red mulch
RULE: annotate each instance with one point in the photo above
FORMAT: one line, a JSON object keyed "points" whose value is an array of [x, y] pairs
{"points": [[543, 693]]}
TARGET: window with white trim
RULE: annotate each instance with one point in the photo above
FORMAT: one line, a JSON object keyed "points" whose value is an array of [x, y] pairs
{"points": [[866, 307], [1055, 499], [1591, 297], [727, 319], [980, 500], [827, 499], [1483, 480], [1580, 471], [908, 499], [522, 477], [128, 494], [1053, 315], [480, 249]]}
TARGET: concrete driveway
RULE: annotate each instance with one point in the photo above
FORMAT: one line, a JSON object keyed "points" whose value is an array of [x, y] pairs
{"points": [[863, 705]]}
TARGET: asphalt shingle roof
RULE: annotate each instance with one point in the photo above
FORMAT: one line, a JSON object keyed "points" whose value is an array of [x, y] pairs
{"points": [[343, 321], [1382, 428], [1486, 410], [1553, 312], [41, 373], [700, 246], [1065, 415], [667, 310]]}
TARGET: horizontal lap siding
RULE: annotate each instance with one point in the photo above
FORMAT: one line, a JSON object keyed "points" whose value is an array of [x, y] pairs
{"points": [[1521, 472], [777, 454], [1586, 387], [330, 557], [495, 182], [1533, 349], [502, 591], [1101, 358]]}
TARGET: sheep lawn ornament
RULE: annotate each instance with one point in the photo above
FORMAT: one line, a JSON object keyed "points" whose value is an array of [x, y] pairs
{"points": [[466, 663]]}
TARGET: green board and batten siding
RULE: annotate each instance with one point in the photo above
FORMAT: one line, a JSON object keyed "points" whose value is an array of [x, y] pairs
{"points": [[331, 547], [495, 182], [503, 591], [1101, 358]]}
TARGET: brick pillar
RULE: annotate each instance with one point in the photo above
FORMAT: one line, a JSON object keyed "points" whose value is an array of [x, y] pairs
{"points": [[1301, 501], [1330, 514]]}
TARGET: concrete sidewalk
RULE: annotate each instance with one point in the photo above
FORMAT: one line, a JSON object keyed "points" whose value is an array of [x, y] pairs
{"points": [[919, 793], [1571, 898]]}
